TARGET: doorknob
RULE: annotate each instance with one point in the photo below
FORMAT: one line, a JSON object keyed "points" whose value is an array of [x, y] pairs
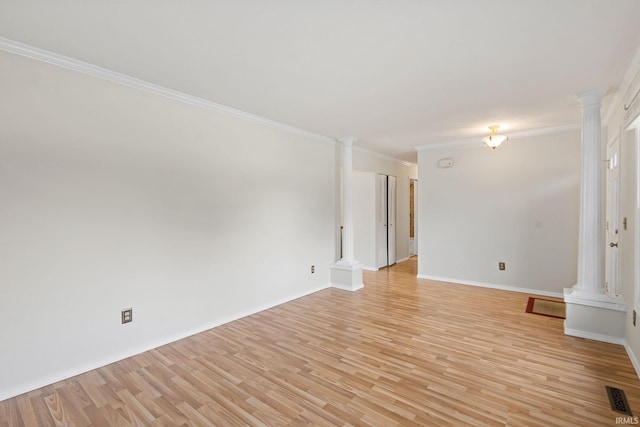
{"points": [[613, 245]]}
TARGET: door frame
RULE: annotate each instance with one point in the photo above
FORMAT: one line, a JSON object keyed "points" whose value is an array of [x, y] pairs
{"points": [[632, 123], [612, 217], [414, 252]]}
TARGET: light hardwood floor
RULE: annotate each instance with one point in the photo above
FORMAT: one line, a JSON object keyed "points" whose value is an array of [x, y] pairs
{"points": [[401, 351]]}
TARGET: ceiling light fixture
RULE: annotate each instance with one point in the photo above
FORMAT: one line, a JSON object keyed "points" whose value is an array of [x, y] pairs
{"points": [[494, 140]]}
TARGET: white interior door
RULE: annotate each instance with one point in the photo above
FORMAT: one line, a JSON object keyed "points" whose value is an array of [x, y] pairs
{"points": [[612, 267], [391, 213], [381, 221]]}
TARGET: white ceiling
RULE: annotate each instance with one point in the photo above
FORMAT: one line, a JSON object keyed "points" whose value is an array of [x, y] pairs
{"points": [[395, 74]]}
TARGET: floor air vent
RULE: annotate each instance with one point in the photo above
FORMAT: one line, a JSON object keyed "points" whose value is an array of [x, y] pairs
{"points": [[618, 401]]}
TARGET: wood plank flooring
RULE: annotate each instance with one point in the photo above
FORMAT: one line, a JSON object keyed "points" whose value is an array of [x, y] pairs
{"points": [[400, 352]]}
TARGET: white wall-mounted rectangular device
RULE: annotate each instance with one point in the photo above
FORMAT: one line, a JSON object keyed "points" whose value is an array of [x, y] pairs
{"points": [[445, 163]]}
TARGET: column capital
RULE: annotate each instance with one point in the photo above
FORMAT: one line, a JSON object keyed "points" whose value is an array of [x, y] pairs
{"points": [[592, 97], [347, 141]]}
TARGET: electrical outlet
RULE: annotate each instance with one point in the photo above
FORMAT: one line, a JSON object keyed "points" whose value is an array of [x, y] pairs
{"points": [[502, 266], [127, 315], [313, 269]]}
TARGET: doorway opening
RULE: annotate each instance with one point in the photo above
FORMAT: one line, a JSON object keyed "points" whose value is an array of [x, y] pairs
{"points": [[413, 224]]}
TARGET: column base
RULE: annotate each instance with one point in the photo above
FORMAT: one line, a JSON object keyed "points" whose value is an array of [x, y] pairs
{"points": [[595, 316], [347, 275]]}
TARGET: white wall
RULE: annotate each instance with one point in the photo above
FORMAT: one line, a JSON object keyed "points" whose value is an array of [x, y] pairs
{"points": [[367, 161], [517, 204], [364, 214], [114, 198]]}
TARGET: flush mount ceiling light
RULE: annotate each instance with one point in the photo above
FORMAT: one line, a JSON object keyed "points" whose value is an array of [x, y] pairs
{"points": [[494, 140]]}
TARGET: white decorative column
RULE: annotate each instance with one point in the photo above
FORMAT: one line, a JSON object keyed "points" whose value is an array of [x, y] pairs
{"points": [[347, 272], [591, 313], [590, 255]]}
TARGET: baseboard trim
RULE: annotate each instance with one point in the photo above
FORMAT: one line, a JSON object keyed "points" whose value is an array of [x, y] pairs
{"points": [[593, 336], [632, 357], [61, 376], [348, 288], [492, 286], [402, 260], [366, 267]]}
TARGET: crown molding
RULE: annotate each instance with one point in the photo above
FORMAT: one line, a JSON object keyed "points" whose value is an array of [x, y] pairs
{"points": [[448, 144], [514, 135], [383, 156], [72, 64], [625, 85]]}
